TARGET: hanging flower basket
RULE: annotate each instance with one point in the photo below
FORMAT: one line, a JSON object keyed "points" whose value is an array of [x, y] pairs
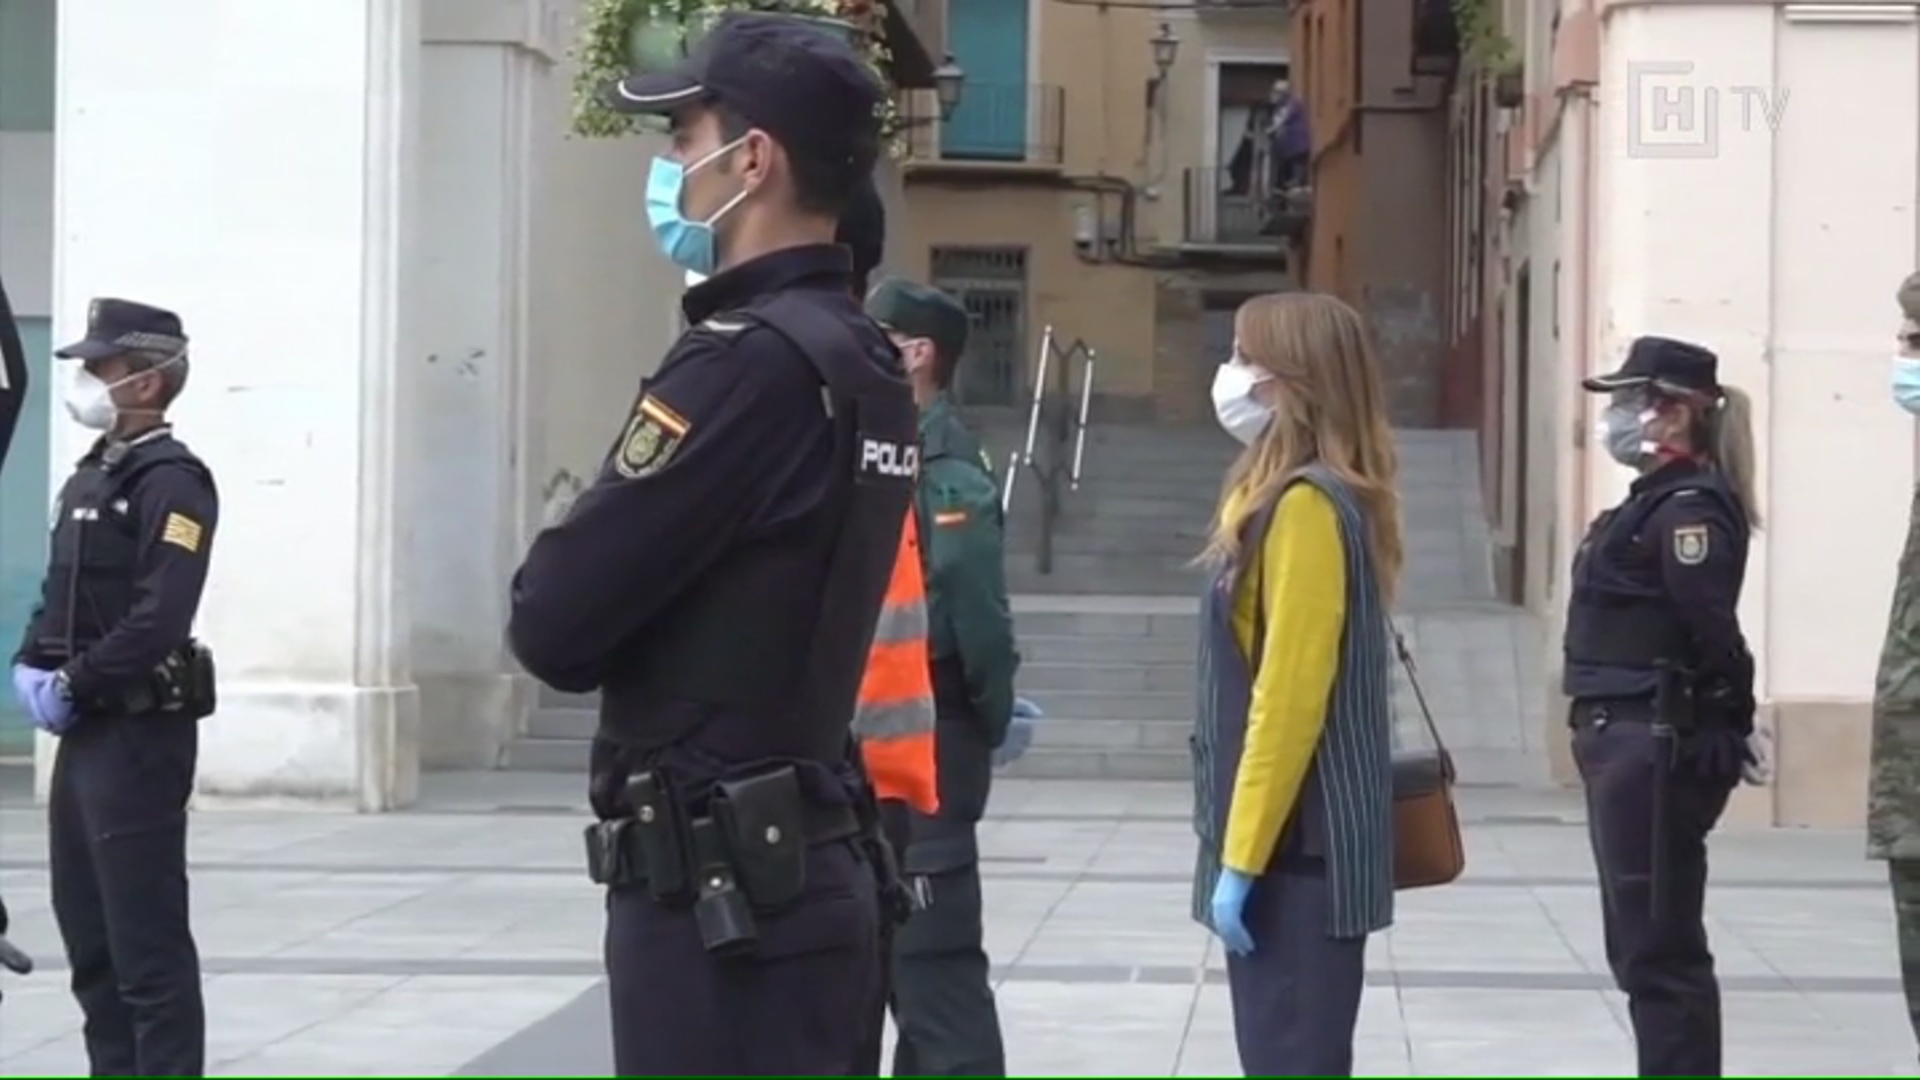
{"points": [[618, 35]]}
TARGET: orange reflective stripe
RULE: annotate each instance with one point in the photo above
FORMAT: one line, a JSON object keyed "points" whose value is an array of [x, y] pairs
{"points": [[896, 672], [894, 718], [903, 769]]}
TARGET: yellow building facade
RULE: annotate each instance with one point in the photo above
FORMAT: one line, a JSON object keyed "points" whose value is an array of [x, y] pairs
{"points": [[1086, 181]]}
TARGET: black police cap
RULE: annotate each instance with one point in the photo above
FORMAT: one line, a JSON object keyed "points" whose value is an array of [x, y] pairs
{"points": [[800, 83], [118, 326], [1665, 363]]}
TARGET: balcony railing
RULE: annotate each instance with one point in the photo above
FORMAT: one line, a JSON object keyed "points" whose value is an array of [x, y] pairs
{"points": [[1017, 123], [1227, 207]]}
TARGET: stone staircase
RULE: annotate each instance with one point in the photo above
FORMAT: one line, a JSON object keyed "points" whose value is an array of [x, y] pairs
{"points": [[1115, 675], [1146, 497]]}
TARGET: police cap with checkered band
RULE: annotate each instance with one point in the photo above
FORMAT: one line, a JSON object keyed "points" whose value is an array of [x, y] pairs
{"points": [[120, 326]]}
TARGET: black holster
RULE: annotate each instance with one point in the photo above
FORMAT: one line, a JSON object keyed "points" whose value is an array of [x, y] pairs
{"points": [[181, 685], [746, 855], [897, 901]]}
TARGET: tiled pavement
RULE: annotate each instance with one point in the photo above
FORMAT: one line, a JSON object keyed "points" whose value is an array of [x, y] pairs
{"points": [[460, 938]]}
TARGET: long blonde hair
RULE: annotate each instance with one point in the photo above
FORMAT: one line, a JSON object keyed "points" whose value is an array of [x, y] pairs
{"points": [[1328, 409], [1732, 449]]}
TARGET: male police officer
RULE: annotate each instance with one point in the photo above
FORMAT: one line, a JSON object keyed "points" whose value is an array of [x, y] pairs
{"points": [[943, 1003], [720, 581], [108, 665], [13, 393]]}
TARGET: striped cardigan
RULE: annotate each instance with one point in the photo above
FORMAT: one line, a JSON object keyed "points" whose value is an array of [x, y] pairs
{"points": [[1347, 801]]}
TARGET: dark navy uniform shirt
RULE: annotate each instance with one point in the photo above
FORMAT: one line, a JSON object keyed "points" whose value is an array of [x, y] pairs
{"points": [[729, 442]]}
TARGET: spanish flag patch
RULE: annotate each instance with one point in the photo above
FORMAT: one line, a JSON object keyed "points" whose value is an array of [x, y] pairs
{"points": [[662, 414], [182, 532]]}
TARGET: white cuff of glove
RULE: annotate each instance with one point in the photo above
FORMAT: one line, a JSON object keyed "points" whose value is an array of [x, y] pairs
{"points": [[1758, 768]]}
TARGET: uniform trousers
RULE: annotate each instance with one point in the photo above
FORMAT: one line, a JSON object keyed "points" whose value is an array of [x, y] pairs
{"points": [[1660, 960], [943, 1003], [1296, 997], [796, 1005], [117, 816], [1905, 875]]}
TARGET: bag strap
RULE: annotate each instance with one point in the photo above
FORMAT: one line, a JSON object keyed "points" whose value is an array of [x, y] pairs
{"points": [[1426, 714]]}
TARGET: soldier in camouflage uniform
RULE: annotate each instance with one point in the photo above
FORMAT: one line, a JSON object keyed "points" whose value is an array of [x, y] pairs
{"points": [[1893, 808]]}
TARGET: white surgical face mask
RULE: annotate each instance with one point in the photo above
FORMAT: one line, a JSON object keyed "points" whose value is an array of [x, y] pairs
{"points": [[90, 401], [1622, 429], [1239, 413]]}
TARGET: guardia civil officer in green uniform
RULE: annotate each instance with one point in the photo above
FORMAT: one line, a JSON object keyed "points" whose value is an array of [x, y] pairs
{"points": [[942, 1002]]}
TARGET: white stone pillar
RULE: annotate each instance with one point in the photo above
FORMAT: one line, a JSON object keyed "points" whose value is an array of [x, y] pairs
{"points": [[486, 66], [248, 165], [1763, 224]]}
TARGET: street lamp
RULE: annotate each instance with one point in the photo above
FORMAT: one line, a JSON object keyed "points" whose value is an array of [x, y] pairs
{"points": [[1166, 46], [948, 83]]}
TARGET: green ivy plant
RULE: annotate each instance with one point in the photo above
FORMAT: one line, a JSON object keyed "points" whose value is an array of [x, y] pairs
{"points": [[1481, 37], [617, 35]]}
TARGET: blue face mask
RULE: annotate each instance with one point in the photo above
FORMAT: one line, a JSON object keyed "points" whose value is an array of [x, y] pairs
{"points": [[688, 244], [1906, 383]]}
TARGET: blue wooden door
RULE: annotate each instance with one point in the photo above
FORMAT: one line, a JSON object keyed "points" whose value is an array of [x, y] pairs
{"points": [[24, 514], [988, 39]]}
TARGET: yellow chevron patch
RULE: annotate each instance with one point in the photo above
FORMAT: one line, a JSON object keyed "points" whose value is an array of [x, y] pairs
{"points": [[182, 532]]}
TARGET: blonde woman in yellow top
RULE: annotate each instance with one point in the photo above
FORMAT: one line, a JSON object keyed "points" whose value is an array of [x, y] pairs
{"points": [[1292, 758]]}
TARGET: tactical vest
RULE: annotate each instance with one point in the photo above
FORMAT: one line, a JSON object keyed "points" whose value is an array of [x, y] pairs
{"points": [[1618, 614], [94, 553], [762, 656]]}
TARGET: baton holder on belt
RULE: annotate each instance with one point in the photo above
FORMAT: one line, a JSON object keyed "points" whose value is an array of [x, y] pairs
{"points": [[1669, 716]]}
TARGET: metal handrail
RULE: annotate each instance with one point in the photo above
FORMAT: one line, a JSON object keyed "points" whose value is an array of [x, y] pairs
{"points": [[1059, 470]]}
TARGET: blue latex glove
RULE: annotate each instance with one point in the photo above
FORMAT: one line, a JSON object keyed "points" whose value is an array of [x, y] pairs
{"points": [[40, 695], [1019, 733], [25, 679], [1229, 900]]}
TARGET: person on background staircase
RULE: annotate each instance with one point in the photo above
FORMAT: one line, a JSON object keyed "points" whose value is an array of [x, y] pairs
{"points": [[1292, 753], [943, 1003]]}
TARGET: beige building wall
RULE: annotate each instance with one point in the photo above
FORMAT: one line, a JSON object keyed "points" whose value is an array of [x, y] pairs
{"points": [[1136, 306], [1111, 307]]}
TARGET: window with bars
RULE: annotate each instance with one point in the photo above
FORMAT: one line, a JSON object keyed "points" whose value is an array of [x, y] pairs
{"points": [[991, 283]]}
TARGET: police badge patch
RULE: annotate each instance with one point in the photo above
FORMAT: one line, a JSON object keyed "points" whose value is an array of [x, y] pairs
{"points": [[650, 440], [1690, 545]]}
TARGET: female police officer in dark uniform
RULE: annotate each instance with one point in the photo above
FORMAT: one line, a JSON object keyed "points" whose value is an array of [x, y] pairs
{"points": [[1662, 683]]}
